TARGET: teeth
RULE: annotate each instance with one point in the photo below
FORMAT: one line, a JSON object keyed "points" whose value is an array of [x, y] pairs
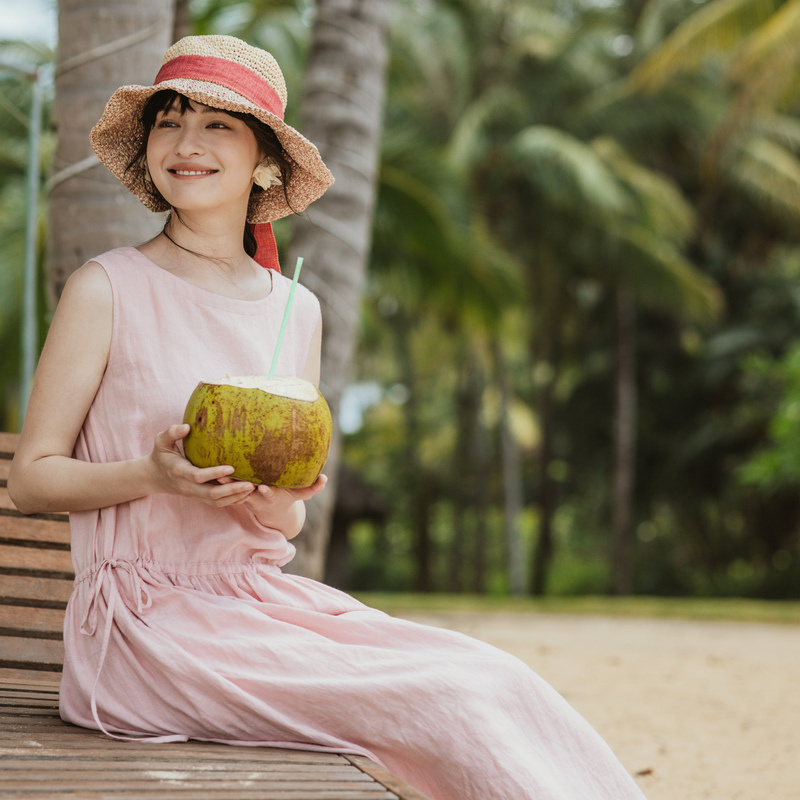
{"points": [[193, 171]]}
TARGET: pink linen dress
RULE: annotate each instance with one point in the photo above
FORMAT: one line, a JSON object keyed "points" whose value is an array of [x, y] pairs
{"points": [[182, 625]]}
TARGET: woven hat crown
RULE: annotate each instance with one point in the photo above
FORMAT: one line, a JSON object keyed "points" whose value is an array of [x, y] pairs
{"points": [[225, 73], [232, 49]]}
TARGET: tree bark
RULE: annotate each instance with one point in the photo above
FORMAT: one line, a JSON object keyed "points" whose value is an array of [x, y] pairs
{"points": [[545, 546], [182, 22], [464, 469], [512, 479], [102, 45], [342, 114], [624, 444]]}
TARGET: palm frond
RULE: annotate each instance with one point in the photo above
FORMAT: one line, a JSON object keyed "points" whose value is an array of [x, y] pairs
{"points": [[566, 171], [766, 65], [459, 269], [469, 142], [662, 207], [660, 276], [781, 128], [715, 30], [770, 175]]}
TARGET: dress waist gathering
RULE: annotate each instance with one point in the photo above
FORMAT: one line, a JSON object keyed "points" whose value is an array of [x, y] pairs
{"points": [[129, 580]]}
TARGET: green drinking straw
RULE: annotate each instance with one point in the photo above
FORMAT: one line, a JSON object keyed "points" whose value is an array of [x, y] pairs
{"points": [[285, 318]]}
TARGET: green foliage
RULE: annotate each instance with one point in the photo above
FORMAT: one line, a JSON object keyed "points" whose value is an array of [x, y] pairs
{"points": [[777, 466], [538, 160], [15, 102]]}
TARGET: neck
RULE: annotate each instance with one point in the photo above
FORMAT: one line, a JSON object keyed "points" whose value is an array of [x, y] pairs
{"points": [[216, 236]]}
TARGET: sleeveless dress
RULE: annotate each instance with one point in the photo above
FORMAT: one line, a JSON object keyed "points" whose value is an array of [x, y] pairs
{"points": [[182, 625]]}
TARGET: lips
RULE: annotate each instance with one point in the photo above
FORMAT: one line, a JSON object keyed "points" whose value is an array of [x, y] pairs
{"points": [[190, 171]]}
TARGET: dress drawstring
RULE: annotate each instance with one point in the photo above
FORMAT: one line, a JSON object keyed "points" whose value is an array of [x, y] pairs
{"points": [[107, 574]]}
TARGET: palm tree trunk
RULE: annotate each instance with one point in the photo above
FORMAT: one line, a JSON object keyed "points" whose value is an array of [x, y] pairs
{"points": [[101, 45], [182, 24], [464, 468], [342, 114], [545, 546], [624, 444], [512, 478]]}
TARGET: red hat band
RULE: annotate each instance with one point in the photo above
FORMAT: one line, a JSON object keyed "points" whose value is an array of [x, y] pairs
{"points": [[223, 72]]}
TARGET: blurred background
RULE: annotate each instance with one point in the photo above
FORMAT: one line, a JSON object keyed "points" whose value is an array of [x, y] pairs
{"points": [[575, 364]]}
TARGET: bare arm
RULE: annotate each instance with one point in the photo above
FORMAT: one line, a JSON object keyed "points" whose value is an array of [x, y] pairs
{"points": [[44, 476]]}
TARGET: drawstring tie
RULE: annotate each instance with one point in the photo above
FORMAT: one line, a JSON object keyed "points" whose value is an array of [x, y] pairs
{"points": [[105, 572], [108, 574]]}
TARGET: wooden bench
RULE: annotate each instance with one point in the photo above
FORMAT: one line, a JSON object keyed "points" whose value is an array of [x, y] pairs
{"points": [[43, 757]]}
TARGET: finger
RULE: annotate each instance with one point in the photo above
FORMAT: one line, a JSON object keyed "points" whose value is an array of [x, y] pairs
{"points": [[167, 439], [221, 473], [235, 489], [310, 491]]}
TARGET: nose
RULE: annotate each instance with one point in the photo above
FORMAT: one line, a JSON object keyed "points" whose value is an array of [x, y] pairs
{"points": [[188, 142]]}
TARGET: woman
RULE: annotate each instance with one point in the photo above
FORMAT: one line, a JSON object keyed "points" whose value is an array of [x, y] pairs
{"points": [[181, 624]]}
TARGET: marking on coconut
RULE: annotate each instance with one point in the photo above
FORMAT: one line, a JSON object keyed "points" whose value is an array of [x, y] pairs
{"points": [[267, 430]]}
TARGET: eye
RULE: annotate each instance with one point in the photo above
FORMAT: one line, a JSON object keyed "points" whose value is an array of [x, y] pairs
{"points": [[220, 125], [166, 123]]}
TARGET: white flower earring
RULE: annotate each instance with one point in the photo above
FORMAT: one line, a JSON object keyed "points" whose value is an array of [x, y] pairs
{"points": [[267, 174]]}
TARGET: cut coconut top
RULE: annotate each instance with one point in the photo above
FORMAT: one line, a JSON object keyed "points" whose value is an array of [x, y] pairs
{"points": [[294, 388]]}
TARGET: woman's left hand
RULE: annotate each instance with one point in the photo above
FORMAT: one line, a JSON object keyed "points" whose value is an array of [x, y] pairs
{"points": [[280, 508]]}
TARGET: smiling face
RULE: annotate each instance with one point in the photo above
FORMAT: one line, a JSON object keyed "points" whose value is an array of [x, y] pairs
{"points": [[201, 158]]}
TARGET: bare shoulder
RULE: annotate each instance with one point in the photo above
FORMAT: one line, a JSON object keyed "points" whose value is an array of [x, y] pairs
{"points": [[88, 284]]}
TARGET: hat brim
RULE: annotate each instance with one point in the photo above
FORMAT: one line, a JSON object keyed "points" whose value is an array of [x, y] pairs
{"points": [[119, 133]]}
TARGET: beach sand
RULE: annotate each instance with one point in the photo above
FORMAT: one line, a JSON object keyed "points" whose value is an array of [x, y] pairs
{"points": [[695, 710]]}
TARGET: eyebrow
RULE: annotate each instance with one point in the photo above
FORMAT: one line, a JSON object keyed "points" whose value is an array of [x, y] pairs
{"points": [[205, 110]]}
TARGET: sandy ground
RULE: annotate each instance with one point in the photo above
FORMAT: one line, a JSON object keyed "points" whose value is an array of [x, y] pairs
{"points": [[696, 710]]}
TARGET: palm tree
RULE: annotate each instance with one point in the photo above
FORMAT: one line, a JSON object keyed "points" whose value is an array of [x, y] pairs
{"points": [[567, 204], [100, 48], [342, 113]]}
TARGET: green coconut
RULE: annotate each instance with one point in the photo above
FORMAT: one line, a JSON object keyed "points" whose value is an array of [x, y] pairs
{"points": [[275, 431]]}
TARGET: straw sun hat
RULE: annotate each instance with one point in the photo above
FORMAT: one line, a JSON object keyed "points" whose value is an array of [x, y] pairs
{"points": [[226, 73]]}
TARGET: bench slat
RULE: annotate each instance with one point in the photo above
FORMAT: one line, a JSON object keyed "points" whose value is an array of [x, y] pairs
{"points": [[28, 677], [8, 444], [111, 790], [61, 760], [277, 770], [37, 654], [31, 620], [35, 559], [47, 591], [33, 529]]}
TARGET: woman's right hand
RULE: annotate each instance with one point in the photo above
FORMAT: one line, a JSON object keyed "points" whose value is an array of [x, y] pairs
{"points": [[175, 474]]}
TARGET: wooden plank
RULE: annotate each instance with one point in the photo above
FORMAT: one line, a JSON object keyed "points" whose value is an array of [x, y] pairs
{"points": [[95, 745], [17, 652], [51, 769], [37, 621], [8, 444], [386, 778], [185, 779], [156, 792], [11, 697], [5, 467], [36, 559], [5, 501], [48, 592], [29, 677], [34, 529]]}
